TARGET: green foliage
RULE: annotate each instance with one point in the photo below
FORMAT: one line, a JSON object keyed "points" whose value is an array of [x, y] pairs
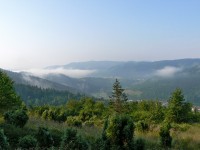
{"points": [[27, 142], [118, 97], [57, 137], [139, 144], [178, 110], [44, 137], [14, 133], [180, 127], [142, 126], [49, 113], [89, 123], [74, 121], [3, 140], [88, 110], [165, 138], [8, 98], [74, 112], [157, 112], [35, 96], [17, 117], [151, 111], [73, 107], [91, 110], [118, 132], [72, 141]]}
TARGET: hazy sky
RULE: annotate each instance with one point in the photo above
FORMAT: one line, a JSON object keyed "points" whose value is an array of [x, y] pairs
{"points": [[39, 33]]}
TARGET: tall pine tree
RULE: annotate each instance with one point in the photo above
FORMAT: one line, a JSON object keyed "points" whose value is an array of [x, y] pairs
{"points": [[118, 97], [8, 97], [178, 110]]}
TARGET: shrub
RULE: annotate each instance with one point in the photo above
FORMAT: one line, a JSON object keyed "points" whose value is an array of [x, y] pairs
{"points": [[180, 127], [98, 144], [166, 139], [89, 123], [44, 137], [71, 141], [142, 126], [74, 121], [3, 140], [14, 133], [27, 142], [16, 117], [139, 144], [118, 133], [57, 137]]}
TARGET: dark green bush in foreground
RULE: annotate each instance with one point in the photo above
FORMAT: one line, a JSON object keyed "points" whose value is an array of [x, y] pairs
{"points": [[166, 139], [3, 140], [27, 142], [118, 133], [72, 141], [17, 117], [44, 138]]}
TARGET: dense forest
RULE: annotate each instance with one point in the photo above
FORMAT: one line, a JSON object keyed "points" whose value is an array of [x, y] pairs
{"points": [[76, 122], [35, 96]]}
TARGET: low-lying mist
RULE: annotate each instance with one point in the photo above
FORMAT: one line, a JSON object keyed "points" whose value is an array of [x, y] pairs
{"points": [[75, 73]]}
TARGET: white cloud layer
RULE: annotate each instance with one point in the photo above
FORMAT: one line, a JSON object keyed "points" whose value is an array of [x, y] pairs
{"points": [[168, 71], [75, 73]]}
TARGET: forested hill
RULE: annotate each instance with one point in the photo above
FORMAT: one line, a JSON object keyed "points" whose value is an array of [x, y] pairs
{"points": [[37, 91], [27, 79], [34, 96]]}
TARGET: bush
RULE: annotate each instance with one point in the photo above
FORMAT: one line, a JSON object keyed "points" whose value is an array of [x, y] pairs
{"points": [[17, 117], [14, 133], [180, 127], [3, 140], [142, 126], [44, 137], [118, 132], [74, 121], [89, 123], [71, 141], [57, 137], [98, 144], [139, 144], [27, 142], [166, 139]]}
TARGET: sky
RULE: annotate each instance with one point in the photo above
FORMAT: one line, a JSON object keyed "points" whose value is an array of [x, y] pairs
{"points": [[40, 33]]}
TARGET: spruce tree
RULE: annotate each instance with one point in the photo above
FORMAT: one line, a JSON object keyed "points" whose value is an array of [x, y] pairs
{"points": [[178, 110], [8, 97], [118, 97]]}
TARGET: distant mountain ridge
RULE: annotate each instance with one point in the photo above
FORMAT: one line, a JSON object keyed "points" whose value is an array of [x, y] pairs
{"points": [[141, 80], [129, 69], [89, 65]]}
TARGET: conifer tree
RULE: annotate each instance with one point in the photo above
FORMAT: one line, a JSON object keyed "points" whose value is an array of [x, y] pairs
{"points": [[8, 97], [178, 110], [118, 97]]}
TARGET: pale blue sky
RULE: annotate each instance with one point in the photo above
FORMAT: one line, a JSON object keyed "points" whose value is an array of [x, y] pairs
{"points": [[39, 33]]}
